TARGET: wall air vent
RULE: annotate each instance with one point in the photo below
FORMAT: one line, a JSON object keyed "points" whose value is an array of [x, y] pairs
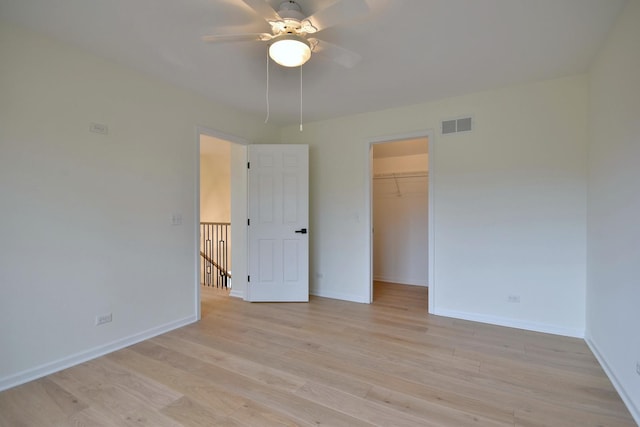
{"points": [[463, 124]]}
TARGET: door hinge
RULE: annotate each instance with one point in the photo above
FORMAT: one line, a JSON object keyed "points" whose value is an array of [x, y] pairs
{"points": [[248, 165], [248, 221], [248, 278]]}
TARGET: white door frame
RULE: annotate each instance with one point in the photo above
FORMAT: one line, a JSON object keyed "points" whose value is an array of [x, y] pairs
{"points": [[237, 240], [430, 135]]}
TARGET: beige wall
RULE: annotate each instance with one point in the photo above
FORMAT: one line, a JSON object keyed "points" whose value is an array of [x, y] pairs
{"points": [[215, 180], [96, 209], [613, 290], [509, 203]]}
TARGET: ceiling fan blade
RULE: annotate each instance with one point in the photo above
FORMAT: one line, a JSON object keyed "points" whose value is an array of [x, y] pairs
{"points": [[230, 38], [342, 56], [338, 13], [262, 8]]}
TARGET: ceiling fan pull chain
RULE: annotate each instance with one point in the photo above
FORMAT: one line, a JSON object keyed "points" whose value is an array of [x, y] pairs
{"points": [[267, 119], [301, 98]]}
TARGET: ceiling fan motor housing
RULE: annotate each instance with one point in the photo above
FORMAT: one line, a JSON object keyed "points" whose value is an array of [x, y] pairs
{"points": [[292, 18], [290, 9]]}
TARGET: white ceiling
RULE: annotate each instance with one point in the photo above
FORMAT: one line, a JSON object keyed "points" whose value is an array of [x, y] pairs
{"points": [[413, 51]]}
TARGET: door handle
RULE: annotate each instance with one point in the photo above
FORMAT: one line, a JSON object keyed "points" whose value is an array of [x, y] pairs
{"points": [[302, 231]]}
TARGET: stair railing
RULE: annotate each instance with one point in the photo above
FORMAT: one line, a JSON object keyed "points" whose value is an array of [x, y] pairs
{"points": [[214, 253]]}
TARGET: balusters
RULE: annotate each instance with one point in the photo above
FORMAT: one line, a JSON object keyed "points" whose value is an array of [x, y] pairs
{"points": [[214, 244]]}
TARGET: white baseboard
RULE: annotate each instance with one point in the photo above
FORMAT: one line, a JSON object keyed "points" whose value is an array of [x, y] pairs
{"points": [[633, 409], [511, 323], [337, 295], [236, 294], [83, 356], [401, 281]]}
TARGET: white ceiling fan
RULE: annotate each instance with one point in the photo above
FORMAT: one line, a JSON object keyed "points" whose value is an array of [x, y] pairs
{"points": [[289, 41]]}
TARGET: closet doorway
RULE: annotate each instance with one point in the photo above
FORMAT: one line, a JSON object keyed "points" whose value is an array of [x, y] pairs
{"points": [[400, 217]]}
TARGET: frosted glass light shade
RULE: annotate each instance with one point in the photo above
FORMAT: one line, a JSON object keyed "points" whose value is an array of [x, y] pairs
{"points": [[290, 50]]}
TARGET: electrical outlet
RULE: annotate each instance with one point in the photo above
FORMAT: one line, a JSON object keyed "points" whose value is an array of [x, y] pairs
{"points": [[513, 298], [104, 318], [638, 368]]}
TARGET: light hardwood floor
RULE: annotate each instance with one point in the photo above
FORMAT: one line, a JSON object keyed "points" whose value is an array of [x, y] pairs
{"points": [[330, 363]]}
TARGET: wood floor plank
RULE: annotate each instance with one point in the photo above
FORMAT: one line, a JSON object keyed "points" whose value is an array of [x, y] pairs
{"points": [[330, 363], [377, 374], [536, 413], [435, 413], [91, 417], [104, 372], [284, 401], [200, 389], [276, 378], [361, 409], [256, 415], [115, 401], [302, 368], [192, 413], [48, 404]]}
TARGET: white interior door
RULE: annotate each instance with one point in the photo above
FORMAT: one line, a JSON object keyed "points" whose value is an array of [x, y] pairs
{"points": [[278, 223]]}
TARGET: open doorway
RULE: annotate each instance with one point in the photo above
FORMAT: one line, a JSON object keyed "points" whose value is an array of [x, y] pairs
{"points": [[400, 220], [230, 175], [215, 217]]}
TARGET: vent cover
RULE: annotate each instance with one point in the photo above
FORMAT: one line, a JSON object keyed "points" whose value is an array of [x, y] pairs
{"points": [[463, 124]]}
